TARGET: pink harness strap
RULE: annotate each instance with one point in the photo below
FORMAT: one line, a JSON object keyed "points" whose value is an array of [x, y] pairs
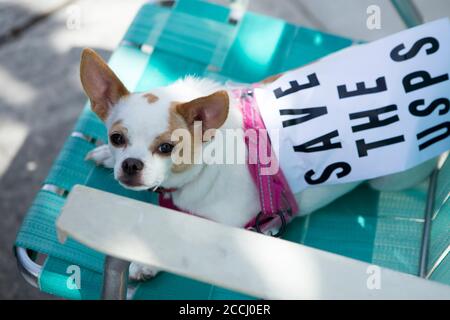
{"points": [[278, 205]]}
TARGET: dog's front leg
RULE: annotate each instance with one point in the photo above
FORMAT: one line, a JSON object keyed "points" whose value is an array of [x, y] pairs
{"points": [[141, 272], [102, 156]]}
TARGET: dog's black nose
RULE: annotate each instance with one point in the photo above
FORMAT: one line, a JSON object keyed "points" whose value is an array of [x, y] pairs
{"points": [[132, 166]]}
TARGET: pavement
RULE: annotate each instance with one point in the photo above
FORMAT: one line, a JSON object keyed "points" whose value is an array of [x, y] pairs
{"points": [[41, 97]]}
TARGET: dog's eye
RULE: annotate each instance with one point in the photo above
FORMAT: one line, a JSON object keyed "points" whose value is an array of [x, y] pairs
{"points": [[117, 139], [165, 148]]}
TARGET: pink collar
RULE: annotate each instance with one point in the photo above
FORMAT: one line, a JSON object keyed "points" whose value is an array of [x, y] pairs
{"points": [[278, 205]]}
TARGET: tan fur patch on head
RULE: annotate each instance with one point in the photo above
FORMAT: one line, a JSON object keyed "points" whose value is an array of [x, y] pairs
{"points": [[212, 110], [176, 121], [117, 127], [151, 98]]}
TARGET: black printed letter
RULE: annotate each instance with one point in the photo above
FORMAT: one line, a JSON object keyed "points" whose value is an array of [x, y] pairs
{"points": [[345, 170], [313, 82], [425, 80], [414, 110], [361, 89], [325, 140], [396, 56], [423, 134], [363, 147], [374, 120], [311, 113]]}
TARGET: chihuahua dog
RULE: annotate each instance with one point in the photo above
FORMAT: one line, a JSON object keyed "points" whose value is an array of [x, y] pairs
{"points": [[141, 149]]}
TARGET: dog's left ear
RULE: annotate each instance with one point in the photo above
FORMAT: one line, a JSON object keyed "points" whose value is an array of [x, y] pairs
{"points": [[100, 83], [212, 110]]}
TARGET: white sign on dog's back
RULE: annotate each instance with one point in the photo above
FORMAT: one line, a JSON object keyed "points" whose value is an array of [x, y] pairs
{"points": [[364, 112]]}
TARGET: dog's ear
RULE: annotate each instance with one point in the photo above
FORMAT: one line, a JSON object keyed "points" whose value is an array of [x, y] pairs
{"points": [[212, 110], [101, 85]]}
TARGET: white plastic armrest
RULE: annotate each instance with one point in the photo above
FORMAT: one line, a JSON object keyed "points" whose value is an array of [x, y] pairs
{"points": [[228, 257]]}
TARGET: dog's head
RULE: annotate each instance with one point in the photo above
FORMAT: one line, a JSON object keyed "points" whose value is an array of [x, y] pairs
{"points": [[141, 125]]}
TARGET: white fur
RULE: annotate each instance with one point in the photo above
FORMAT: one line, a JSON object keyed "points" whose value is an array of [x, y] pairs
{"points": [[141, 272], [223, 193], [102, 156]]}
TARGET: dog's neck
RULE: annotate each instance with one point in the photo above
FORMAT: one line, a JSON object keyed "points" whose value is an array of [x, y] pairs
{"points": [[224, 193]]}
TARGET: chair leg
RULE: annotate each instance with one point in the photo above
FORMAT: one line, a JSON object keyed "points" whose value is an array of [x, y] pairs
{"points": [[115, 281]]}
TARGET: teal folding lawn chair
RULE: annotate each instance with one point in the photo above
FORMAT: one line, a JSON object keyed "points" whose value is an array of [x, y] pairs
{"points": [[406, 231]]}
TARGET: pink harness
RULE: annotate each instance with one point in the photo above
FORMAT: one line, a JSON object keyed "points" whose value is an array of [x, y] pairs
{"points": [[278, 205]]}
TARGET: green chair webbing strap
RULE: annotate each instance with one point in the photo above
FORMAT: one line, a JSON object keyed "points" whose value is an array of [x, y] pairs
{"points": [[69, 280], [205, 39], [376, 227], [59, 278], [256, 47]]}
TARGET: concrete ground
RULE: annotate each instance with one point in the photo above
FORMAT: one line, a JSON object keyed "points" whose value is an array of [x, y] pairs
{"points": [[40, 94]]}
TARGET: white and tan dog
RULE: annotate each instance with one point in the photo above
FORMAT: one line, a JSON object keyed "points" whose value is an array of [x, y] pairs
{"points": [[140, 126]]}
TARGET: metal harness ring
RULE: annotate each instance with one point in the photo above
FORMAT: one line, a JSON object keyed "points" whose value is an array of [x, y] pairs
{"points": [[283, 223]]}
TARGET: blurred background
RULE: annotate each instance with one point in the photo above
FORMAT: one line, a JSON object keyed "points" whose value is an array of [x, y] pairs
{"points": [[41, 96]]}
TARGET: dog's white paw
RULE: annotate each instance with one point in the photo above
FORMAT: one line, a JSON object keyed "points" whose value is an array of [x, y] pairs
{"points": [[101, 156], [141, 272]]}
